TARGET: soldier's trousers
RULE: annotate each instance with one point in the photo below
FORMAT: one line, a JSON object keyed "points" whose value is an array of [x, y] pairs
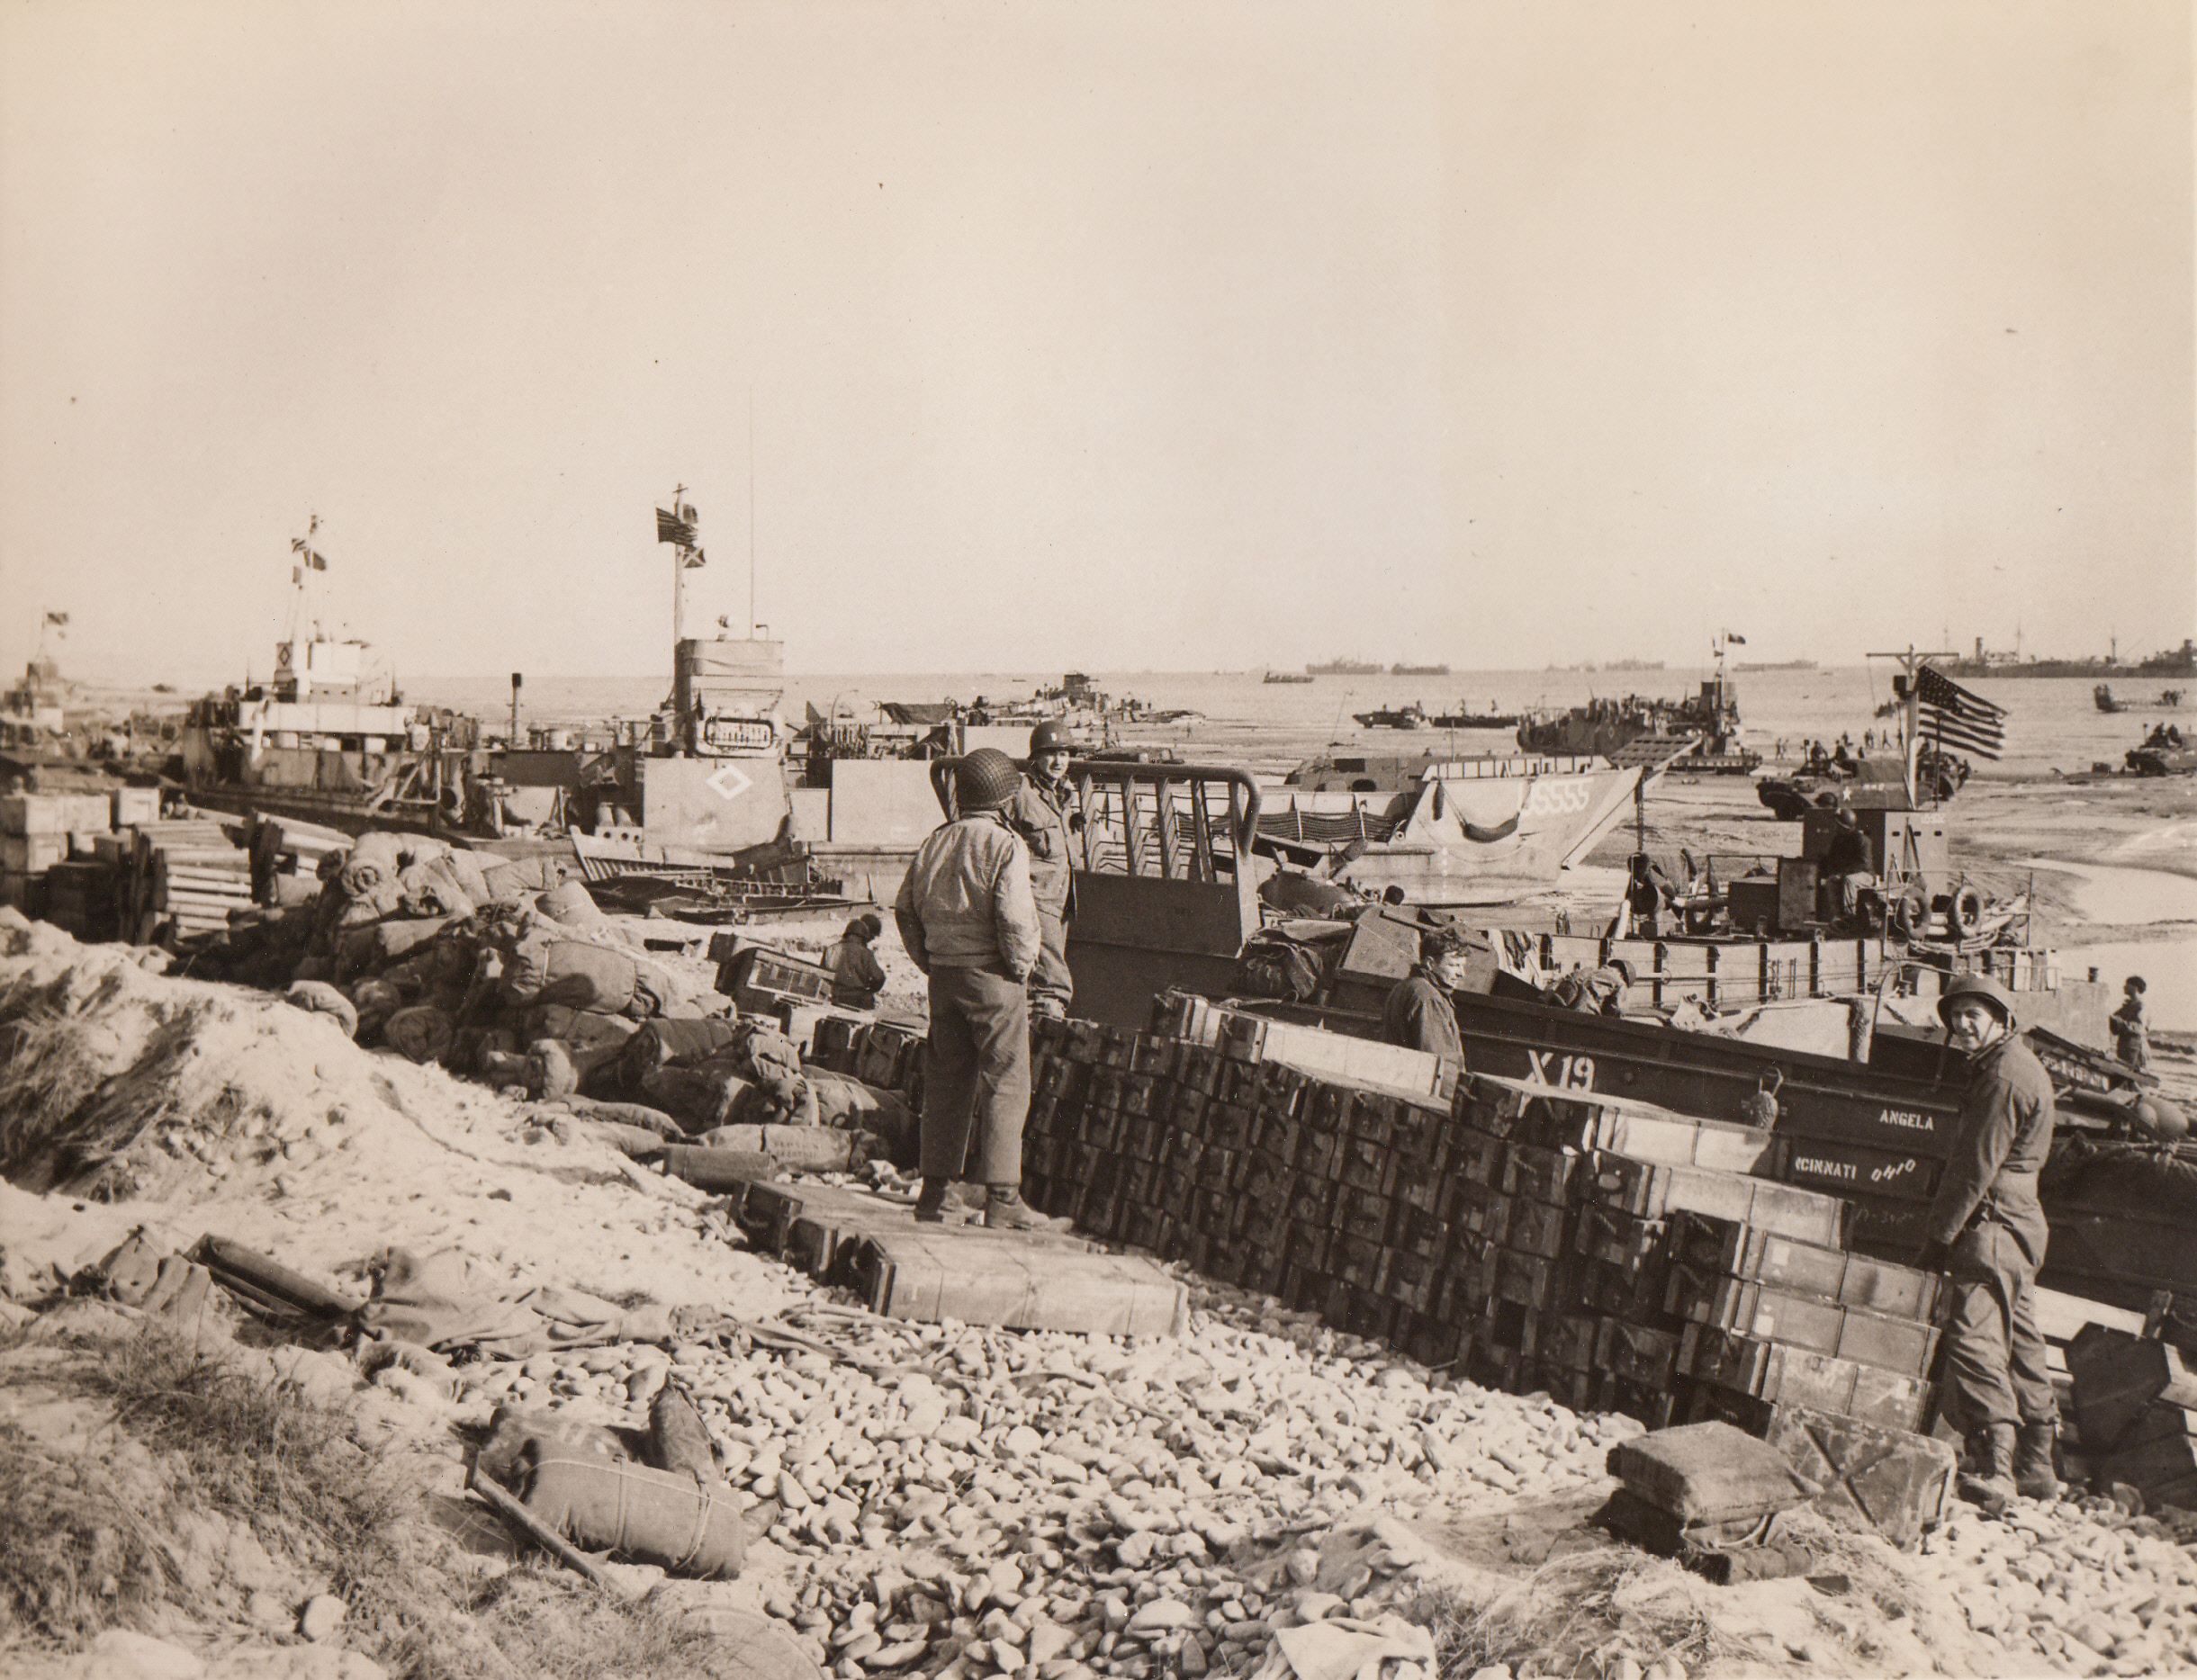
{"points": [[1051, 985], [1994, 1357], [976, 1076]]}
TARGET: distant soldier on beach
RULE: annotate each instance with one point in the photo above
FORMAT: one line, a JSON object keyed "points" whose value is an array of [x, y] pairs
{"points": [[2132, 1039], [1419, 1013], [1045, 813], [968, 921], [1986, 1229]]}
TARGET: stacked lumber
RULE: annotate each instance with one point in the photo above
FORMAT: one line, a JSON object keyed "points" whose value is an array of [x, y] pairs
{"points": [[185, 877], [1615, 1255]]}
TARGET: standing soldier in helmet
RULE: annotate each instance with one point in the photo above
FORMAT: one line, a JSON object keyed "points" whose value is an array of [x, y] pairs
{"points": [[1987, 1229], [968, 922], [1044, 812], [855, 972]]}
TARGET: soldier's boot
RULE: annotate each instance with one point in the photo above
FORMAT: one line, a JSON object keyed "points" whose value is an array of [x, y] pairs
{"points": [[1987, 1482], [1006, 1210], [2033, 1466], [931, 1203]]}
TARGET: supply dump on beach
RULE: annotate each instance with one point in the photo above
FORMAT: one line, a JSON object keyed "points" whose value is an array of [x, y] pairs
{"points": [[461, 1255]]}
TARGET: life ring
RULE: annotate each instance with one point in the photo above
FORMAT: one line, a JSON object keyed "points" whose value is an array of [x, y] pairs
{"points": [[1965, 912], [1911, 914]]}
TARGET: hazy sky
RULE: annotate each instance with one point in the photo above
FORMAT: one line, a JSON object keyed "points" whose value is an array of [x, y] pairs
{"points": [[1103, 335]]}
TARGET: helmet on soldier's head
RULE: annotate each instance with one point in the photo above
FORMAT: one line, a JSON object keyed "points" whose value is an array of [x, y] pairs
{"points": [[1051, 736], [1983, 986], [1624, 967], [985, 779]]}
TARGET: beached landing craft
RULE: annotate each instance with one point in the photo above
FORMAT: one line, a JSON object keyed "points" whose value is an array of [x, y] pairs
{"points": [[328, 739], [1483, 829]]}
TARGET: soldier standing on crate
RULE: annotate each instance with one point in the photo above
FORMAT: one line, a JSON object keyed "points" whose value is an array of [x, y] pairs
{"points": [[1045, 813], [1987, 1229], [1418, 1014], [968, 921]]}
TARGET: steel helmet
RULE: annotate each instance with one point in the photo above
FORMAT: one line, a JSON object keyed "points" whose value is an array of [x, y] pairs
{"points": [[2158, 1119], [1977, 986], [1051, 736], [1624, 967], [985, 779]]}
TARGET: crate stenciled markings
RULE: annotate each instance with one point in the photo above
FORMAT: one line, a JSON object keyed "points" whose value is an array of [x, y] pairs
{"points": [[1477, 1155], [1773, 1371], [1770, 1315], [1637, 1352], [1621, 1239], [1566, 1340], [1476, 1208], [1531, 1280], [1539, 1227], [1539, 1174], [1650, 1190], [1831, 1274], [1845, 1169]]}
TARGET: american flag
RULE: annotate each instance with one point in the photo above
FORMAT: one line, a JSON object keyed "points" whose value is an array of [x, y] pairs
{"points": [[1954, 717], [671, 528]]}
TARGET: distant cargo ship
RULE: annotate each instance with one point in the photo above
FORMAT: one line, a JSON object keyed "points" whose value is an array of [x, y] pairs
{"points": [[1776, 665], [1990, 662], [1285, 677], [1418, 670], [1344, 668]]}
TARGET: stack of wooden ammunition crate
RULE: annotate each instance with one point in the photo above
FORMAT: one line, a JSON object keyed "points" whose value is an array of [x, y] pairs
{"points": [[1615, 1255], [39, 833]]}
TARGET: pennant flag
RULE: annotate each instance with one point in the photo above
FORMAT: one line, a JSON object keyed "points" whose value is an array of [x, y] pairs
{"points": [[1955, 717], [1730, 637], [57, 618], [311, 558], [671, 528], [690, 558]]}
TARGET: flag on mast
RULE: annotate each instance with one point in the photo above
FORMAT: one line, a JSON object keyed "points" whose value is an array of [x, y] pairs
{"points": [[60, 620], [671, 528], [310, 559], [1957, 717]]}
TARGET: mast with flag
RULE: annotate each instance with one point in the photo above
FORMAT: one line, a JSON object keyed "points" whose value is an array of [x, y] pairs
{"points": [[1932, 705], [676, 527]]}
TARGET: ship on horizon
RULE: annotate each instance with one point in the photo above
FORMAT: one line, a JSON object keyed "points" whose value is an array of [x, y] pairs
{"points": [[1344, 668], [1995, 662], [1418, 670]]}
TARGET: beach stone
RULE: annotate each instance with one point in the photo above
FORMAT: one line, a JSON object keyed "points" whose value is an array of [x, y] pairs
{"points": [[323, 1614], [1158, 1616]]}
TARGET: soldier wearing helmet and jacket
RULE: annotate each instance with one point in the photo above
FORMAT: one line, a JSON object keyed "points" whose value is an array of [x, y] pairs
{"points": [[1987, 1229], [1045, 813], [968, 920]]}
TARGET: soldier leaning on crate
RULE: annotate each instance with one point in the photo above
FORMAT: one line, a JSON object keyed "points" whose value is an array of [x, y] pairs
{"points": [[1594, 991], [1987, 1229], [1418, 1014], [1045, 813], [969, 923]]}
